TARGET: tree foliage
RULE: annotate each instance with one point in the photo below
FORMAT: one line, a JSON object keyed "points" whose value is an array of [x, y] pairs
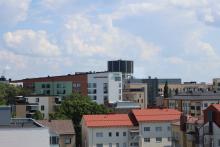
{"points": [[74, 107], [9, 92], [38, 115]]}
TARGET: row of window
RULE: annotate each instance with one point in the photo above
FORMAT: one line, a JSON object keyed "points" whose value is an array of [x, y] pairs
{"points": [[100, 134], [111, 145], [55, 140], [158, 139], [157, 129]]}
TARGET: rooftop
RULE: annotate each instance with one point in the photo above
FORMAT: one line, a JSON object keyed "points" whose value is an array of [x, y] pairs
{"points": [[60, 127], [108, 120], [216, 106], [22, 123], [156, 115]]}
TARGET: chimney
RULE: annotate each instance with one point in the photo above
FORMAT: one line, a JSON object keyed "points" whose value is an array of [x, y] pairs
{"points": [[5, 113]]}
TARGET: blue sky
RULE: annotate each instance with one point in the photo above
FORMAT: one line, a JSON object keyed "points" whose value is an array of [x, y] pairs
{"points": [[165, 38]]}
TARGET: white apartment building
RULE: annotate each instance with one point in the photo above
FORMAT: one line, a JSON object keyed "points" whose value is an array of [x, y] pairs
{"points": [[105, 87], [140, 128]]}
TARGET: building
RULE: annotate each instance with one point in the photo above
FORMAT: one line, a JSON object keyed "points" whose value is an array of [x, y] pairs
{"points": [[211, 131], [105, 87], [192, 103], [136, 92], [126, 67], [139, 128], [105, 130], [56, 85], [153, 87], [176, 88], [22, 132], [27, 106], [216, 84], [4, 80], [63, 129]]}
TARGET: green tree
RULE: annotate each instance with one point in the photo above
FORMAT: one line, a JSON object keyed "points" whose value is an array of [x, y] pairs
{"points": [[2, 101], [166, 90], [74, 107], [38, 115]]}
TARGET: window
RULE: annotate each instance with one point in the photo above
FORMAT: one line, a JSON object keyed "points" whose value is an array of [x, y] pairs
{"points": [[105, 88], [110, 134], [54, 140], [48, 85], [198, 108], [146, 128], [124, 145], [99, 134], [158, 139], [117, 144], [192, 107], [158, 129], [169, 138], [90, 85], [205, 105], [119, 85], [37, 100], [146, 139], [117, 133], [42, 107], [67, 140], [99, 145], [119, 91], [168, 128], [43, 85], [117, 78], [218, 142], [124, 133], [110, 145]]}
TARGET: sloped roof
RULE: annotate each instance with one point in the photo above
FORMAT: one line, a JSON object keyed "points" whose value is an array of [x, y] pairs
{"points": [[60, 127], [108, 120], [156, 115]]}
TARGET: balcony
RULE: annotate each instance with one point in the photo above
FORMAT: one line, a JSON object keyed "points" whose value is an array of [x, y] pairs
{"points": [[32, 108]]}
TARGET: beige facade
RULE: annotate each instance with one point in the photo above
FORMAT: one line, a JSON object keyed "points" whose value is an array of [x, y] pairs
{"points": [[136, 93], [216, 84], [178, 137], [27, 106], [185, 87]]}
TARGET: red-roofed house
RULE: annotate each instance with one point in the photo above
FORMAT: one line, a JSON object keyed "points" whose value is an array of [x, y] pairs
{"points": [[142, 127]]}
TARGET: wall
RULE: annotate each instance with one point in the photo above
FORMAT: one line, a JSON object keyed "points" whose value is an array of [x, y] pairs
{"points": [[24, 137], [62, 141]]}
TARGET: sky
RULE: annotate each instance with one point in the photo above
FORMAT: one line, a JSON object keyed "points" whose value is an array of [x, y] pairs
{"points": [[164, 38]]}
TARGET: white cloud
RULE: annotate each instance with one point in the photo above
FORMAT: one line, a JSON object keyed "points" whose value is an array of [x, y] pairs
{"points": [[54, 4], [13, 11], [31, 42]]}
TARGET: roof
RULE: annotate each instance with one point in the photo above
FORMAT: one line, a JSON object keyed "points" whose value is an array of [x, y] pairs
{"points": [[60, 127], [156, 115], [108, 120], [216, 106], [195, 120]]}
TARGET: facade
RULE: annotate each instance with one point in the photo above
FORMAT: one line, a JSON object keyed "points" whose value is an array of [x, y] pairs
{"points": [[124, 66], [216, 84], [105, 87], [153, 87], [139, 128], [57, 85], [63, 130], [27, 106], [192, 104], [136, 92], [22, 132], [176, 88]]}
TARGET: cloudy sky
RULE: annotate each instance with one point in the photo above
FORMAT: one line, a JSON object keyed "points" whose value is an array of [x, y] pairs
{"points": [[165, 38]]}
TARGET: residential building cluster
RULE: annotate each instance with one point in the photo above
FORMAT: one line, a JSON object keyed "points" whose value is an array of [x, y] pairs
{"points": [[142, 115]]}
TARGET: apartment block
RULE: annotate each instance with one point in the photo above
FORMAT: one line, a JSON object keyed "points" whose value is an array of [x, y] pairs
{"points": [[192, 104], [216, 84], [139, 128], [27, 106], [56, 85], [105, 87], [136, 92]]}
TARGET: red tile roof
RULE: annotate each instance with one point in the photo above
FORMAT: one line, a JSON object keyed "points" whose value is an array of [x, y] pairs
{"points": [[156, 115], [216, 106], [61, 127], [108, 120]]}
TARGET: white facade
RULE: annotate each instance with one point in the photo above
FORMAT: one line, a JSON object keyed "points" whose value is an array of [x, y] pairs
{"points": [[24, 137], [106, 137], [106, 86], [155, 134]]}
